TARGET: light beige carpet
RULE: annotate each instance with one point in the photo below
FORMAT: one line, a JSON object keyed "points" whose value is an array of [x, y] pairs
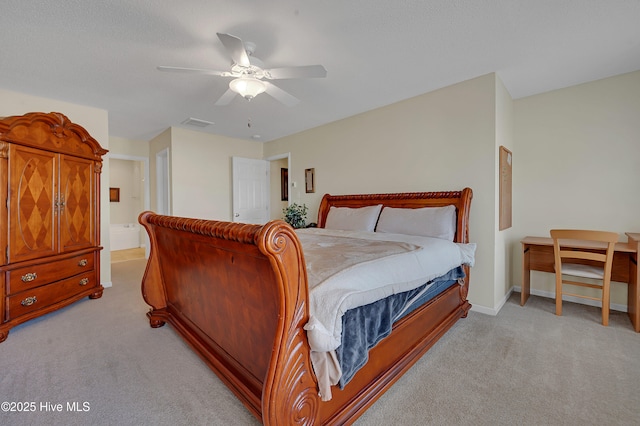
{"points": [[525, 366]]}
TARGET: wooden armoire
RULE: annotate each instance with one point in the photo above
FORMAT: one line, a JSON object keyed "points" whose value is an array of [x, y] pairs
{"points": [[49, 217]]}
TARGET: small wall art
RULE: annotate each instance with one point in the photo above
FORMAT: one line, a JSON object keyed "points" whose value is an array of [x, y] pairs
{"points": [[310, 180], [506, 160], [114, 195]]}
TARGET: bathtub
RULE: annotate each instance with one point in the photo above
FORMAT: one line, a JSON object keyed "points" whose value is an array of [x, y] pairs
{"points": [[124, 236]]}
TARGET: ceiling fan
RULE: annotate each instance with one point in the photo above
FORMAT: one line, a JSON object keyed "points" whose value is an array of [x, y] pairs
{"points": [[250, 77]]}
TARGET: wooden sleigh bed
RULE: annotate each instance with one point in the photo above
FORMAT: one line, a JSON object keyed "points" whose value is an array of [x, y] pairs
{"points": [[238, 295]]}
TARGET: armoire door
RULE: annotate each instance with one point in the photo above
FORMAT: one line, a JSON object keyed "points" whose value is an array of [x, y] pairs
{"points": [[32, 203], [77, 205]]}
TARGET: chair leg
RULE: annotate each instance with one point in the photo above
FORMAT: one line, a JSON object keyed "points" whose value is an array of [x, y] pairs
{"points": [[605, 303], [558, 294]]}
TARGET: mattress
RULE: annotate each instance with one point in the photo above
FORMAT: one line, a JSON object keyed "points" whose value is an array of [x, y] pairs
{"points": [[350, 269], [347, 269], [365, 326]]}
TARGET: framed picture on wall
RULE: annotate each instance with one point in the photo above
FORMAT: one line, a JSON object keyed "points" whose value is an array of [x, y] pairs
{"points": [[506, 160], [114, 195], [309, 179]]}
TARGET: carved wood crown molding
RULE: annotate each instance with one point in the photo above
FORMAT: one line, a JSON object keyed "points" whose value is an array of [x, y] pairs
{"points": [[240, 232], [58, 125], [399, 195]]}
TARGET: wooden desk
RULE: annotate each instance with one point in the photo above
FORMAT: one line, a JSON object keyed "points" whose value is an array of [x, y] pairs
{"points": [[537, 255]]}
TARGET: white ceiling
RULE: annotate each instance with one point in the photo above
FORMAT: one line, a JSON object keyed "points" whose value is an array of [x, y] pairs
{"points": [[104, 53]]}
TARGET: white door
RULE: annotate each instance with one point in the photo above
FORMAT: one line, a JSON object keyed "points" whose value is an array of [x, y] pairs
{"points": [[250, 190]]}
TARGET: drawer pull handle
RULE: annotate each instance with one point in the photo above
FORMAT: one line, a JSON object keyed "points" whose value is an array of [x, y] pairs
{"points": [[84, 281], [83, 262], [26, 278], [29, 301]]}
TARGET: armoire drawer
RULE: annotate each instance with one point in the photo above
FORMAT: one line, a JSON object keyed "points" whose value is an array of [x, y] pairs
{"points": [[36, 298], [36, 275]]}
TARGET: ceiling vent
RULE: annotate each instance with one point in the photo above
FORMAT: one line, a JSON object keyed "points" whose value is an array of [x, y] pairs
{"points": [[196, 122]]}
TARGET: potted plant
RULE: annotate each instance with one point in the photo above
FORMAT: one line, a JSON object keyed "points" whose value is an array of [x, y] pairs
{"points": [[296, 215]]}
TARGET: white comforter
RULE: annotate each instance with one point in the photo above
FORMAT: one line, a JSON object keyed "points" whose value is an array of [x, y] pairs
{"points": [[347, 269]]}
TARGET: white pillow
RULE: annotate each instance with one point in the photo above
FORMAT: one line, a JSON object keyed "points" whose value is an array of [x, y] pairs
{"points": [[437, 222], [353, 219]]}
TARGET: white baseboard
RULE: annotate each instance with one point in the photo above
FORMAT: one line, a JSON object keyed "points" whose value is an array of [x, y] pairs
{"points": [[107, 284], [552, 295], [484, 310], [492, 311], [547, 294]]}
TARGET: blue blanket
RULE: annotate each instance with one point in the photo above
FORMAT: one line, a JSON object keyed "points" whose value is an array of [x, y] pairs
{"points": [[364, 327]]}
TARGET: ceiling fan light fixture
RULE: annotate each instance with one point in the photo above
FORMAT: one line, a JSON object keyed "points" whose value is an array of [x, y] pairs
{"points": [[247, 87]]}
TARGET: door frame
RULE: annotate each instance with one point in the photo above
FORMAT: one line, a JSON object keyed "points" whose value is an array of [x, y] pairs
{"points": [[275, 157], [147, 189]]}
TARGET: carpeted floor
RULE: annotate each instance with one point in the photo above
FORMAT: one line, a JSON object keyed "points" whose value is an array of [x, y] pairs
{"points": [[103, 364]]}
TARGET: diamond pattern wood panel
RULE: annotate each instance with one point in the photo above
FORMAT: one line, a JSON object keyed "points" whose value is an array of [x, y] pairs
{"points": [[32, 215], [76, 217]]}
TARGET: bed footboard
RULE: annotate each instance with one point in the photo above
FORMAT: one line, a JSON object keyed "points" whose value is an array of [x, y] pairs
{"points": [[238, 295]]}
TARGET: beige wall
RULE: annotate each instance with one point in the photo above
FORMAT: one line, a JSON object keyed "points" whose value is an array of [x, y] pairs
{"points": [[571, 148], [576, 165], [201, 172], [573, 165], [574, 154], [504, 137], [96, 122], [129, 147], [444, 140]]}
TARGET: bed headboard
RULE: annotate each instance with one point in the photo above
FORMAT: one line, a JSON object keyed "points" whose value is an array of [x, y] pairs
{"points": [[460, 199]]}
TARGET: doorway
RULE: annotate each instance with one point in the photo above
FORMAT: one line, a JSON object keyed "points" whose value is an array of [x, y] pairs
{"points": [[274, 187], [281, 197], [130, 176]]}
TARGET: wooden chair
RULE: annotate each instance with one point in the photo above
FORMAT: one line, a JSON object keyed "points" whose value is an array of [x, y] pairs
{"points": [[584, 260]]}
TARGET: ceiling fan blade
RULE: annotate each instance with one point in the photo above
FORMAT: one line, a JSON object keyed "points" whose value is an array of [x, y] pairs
{"points": [[236, 49], [281, 95], [194, 71], [306, 71], [226, 98]]}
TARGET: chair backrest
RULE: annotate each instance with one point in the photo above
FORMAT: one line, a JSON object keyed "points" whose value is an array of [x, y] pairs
{"points": [[582, 247]]}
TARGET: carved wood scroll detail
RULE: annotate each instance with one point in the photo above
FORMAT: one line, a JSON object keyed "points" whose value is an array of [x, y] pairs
{"points": [[4, 150], [242, 233], [290, 395]]}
